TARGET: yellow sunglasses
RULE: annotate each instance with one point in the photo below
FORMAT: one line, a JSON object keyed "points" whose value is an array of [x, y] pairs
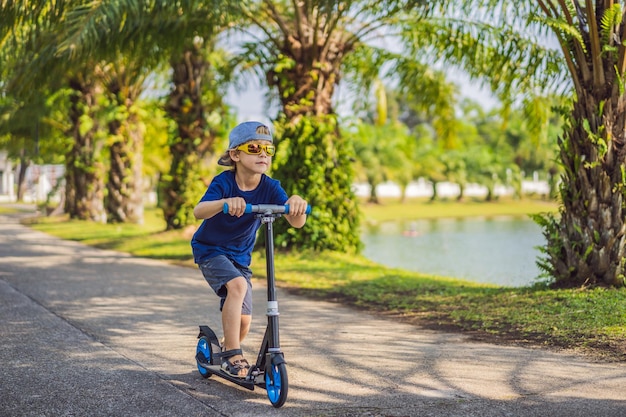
{"points": [[255, 149]]}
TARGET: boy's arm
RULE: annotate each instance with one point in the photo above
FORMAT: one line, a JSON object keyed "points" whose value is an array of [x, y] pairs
{"points": [[208, 209], [297, 211]]}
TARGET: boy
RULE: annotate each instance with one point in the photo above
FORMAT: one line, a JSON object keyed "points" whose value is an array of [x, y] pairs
{"points": [[222, 245]]}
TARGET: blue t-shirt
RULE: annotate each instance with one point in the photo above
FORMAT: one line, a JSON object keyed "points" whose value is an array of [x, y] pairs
{"points": [[228, 235]]}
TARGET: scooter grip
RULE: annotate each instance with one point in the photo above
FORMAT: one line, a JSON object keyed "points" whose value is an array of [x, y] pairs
{"points": [[307, 211], [248, 208]]}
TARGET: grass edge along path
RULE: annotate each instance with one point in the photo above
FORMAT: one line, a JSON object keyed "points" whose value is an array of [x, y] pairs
{"points": [[589, 321]]}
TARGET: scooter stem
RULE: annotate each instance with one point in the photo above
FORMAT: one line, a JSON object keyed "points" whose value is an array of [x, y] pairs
{"points": [[272, 303]]}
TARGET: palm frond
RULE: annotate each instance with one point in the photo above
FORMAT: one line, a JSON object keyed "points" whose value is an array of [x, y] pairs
{"points": [[514, 60], [611, 19], [128, 24]]}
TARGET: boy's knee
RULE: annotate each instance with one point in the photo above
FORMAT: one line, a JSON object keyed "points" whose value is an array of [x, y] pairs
{"points": [[237, 286]]}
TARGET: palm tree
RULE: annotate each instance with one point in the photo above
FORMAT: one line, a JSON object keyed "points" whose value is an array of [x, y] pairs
{"points": [[195, 104], [586, 243], [123, 80], [84, 173], [19, 136], [181, 34], [303, 50], [586, 246], [28, 54]]}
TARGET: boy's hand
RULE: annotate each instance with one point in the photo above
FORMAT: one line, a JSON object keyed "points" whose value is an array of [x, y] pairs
{"points": [[297, 205], [236, 206]]}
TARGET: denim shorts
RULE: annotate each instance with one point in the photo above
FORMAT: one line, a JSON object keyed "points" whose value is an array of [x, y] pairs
{"points": [[218, 271]]}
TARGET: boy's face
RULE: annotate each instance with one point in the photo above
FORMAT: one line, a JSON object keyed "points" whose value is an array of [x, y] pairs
{"points": [[255, 155]]}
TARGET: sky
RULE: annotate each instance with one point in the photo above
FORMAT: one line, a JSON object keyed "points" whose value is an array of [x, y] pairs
{"points": [[250, 104]]}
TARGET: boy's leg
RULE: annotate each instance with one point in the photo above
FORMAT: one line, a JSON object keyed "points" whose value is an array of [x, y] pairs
{"points": [[246, 319], [232, 319], [234, 323], [236, 305]]}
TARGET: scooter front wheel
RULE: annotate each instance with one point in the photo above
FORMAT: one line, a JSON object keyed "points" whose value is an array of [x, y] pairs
{"points": [[276, 384], [204, 347]]}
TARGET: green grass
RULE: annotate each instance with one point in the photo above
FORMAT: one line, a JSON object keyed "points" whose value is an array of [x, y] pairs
{"points": [[586, 320], [10, 209], [148, 240], [590, 321]]}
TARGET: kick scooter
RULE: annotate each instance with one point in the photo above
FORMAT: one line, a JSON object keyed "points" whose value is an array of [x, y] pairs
{"points": [[269, 372]]}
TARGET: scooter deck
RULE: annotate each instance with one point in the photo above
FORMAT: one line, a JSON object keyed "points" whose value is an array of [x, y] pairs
{"points": [[248, 382]]}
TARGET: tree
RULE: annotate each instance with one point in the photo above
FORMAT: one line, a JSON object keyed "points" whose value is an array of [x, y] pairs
{"points": [[124, 80], [384, 150], [195, 104], [425, 102], [586, 243], [533, 152], [84, 173], [303, 49], [30, 55], [17, 135], [431, 161], [22, 138], [586, 246], [181, 34], [383, 153]]}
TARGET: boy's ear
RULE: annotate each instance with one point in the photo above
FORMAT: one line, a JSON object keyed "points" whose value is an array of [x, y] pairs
{"points": [[234, 155]]}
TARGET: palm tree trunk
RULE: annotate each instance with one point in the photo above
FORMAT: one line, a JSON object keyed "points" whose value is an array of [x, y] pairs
{"points": [[588, 248], [83, 169], [124, 201], [180, 189]]}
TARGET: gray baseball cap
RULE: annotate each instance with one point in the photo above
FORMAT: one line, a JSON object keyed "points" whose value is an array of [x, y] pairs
{"points": [[242, 133]]}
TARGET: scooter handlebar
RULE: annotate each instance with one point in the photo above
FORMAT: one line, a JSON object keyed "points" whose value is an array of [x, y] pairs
{"points": [[266, 208]]}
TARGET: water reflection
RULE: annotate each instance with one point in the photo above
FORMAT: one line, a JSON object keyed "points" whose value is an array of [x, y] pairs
{"points": [[498, 250]]}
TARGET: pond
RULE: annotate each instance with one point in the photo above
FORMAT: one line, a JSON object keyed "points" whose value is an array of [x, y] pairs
{"points": [[499, 250]]}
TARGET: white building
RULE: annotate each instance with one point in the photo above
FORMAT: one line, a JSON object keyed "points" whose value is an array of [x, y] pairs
{"points": [[40, 181], [7, 179]]}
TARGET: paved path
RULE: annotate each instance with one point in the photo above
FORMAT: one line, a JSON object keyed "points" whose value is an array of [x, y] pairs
{"points": [[86, 332]]}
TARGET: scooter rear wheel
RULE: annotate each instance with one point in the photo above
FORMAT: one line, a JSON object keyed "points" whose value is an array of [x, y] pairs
{"points": [[276, 386], [204, 347]]}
